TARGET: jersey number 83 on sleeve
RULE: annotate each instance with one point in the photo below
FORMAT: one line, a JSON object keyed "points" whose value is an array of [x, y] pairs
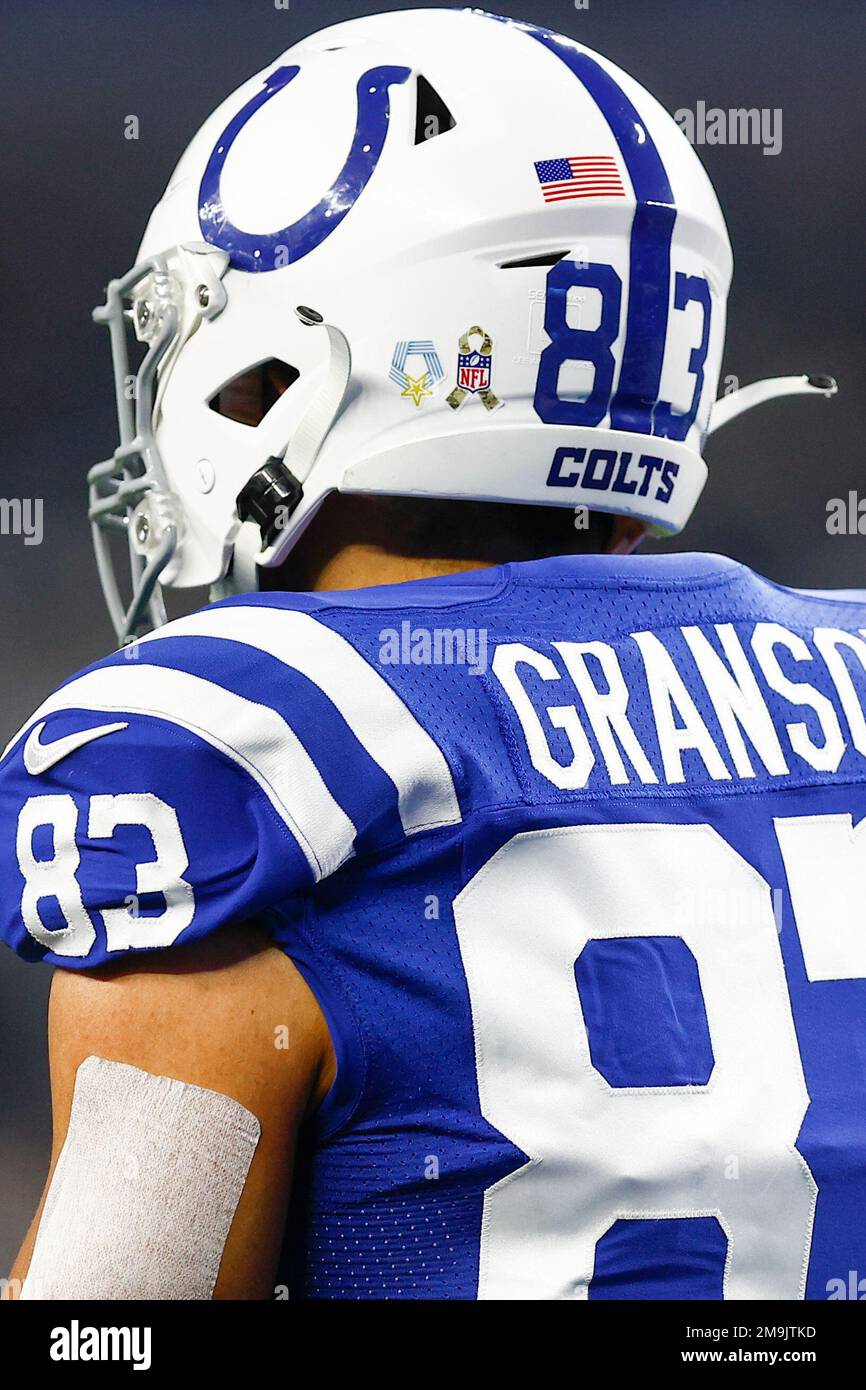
{"points": [[55, 877]]}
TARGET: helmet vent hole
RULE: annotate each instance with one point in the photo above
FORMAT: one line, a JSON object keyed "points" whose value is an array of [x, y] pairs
{"points": [[247, 398], [549, 258], [432, 116]]}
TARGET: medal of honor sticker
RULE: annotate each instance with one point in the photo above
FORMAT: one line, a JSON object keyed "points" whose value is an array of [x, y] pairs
{"points": [[474, 370], [426, 372]]}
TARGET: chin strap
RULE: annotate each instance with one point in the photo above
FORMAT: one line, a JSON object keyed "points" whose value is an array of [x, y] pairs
{"points": [[310, 433], [727, 408], [274, 491]]}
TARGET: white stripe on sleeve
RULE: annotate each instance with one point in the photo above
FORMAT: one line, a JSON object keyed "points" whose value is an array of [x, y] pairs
{"points": [[253, 735], [372, 709]]}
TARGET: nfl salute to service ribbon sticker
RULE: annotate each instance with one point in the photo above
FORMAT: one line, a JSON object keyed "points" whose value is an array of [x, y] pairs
{"points": [[579, 176], [474, 370], [421, 384]]}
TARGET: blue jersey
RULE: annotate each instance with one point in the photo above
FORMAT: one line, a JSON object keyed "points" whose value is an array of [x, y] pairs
{"points": [[571, 855]]}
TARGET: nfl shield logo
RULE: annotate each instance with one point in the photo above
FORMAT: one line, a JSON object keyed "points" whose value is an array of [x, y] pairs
{"points": [[473, 371]]}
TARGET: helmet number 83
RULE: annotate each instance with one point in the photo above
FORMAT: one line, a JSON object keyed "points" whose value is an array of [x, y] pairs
{"points": [[629, 408]]}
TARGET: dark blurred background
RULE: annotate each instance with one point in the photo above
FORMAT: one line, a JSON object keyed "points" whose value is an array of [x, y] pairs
{"points": [[76, 198]]}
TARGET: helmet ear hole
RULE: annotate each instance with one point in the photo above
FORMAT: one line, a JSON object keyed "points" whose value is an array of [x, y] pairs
{"points": [[432, 116], [248, 397]]}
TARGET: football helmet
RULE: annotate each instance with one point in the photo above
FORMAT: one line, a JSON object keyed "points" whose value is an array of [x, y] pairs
{"points": [[434, 253]]}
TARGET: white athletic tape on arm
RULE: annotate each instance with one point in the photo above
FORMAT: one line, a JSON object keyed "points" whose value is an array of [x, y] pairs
{"points": [[145, 1189]]}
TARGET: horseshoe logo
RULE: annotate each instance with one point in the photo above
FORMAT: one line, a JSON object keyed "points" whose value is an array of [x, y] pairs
{"points": [[272, 250]]}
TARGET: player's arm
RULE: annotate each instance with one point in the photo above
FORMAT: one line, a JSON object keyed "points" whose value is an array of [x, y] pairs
{"points": [[229, 1015], [132, 844]]}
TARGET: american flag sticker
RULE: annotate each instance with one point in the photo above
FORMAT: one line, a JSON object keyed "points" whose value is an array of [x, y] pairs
{"points": [[579, 176]]}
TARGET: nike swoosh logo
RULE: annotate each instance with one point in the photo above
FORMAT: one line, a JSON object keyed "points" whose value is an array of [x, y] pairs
{"points": [[38, 756]]}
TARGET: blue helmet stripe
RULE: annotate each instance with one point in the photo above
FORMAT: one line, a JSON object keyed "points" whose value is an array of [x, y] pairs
{"points": [[652, 230]]}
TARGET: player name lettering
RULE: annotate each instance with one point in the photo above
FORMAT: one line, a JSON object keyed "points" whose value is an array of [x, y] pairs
{"points": [[690, 704]]}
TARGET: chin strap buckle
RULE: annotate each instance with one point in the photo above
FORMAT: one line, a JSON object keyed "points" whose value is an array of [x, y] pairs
{"points": [[276, 489], [269, 498]]}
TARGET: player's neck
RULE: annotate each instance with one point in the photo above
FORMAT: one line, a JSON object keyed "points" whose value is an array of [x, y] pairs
{"points": [[360, 565], [355, 542]]}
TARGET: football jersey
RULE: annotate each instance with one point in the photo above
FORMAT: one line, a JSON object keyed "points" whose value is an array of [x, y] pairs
{"points": [[572, 856]]}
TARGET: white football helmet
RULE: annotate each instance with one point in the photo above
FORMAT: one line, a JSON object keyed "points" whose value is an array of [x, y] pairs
{"points": [[443, 254]]}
